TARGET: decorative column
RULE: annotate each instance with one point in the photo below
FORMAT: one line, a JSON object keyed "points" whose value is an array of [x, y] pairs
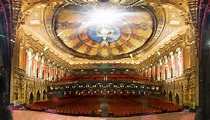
{"points": [[166, 67], [185, 57], [36, 65], [163, 70], [154, 72], [22, 54], [66, 73], [172, 65], [150, 72], [146, 72], [39, 67], [50, 72], [169, 68], [180, 61], [33, 65], [176, 71], [159, 70], [58, 72], [45, 71], [26, 61], [54, 72], [62, 73], [52, 75], [42, 68], [29, 62]]}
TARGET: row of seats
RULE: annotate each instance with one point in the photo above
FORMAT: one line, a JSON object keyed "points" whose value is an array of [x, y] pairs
{"points": [[127, 77], [117, 105], [55, 102], [124, 107], [87, 106], [159, 104]]}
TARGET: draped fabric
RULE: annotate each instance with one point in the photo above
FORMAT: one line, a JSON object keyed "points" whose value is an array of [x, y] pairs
{"points": [[204, 57], [5, 50]]}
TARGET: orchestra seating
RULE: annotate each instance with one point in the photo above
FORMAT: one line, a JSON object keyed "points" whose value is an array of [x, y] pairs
{"points": [[159, 104], [118, 106], [55, 102], [82, 107], [124, 107]]}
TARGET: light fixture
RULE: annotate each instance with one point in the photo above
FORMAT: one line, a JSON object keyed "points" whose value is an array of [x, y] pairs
{"points": [[12, 40], [105, 16], [45, 48], [131, 55], [34, 22], [158, 52], [59, 33]]}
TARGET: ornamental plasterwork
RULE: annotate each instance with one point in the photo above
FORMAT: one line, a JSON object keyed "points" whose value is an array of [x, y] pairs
{"points": [[160, 18], [48, 11]]}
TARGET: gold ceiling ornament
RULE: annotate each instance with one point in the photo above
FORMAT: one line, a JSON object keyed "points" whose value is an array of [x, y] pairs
{"points": [[75, 34], [134, 57], [74, 58]]}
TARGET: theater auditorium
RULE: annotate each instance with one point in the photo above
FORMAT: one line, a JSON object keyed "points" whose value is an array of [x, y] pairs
{"points": [[104, 59]]}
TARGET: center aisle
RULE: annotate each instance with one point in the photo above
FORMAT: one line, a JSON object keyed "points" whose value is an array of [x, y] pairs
{"points": [[104, 107]]}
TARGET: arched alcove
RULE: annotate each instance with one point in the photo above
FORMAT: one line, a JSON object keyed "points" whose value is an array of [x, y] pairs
{"points": [[170, 96], [44, 95], [164, 93], [31, 98], [177, 99], [38, 96]]}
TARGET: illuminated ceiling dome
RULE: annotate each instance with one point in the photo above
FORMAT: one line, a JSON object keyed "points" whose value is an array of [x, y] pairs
{"points": [[105, 30]]}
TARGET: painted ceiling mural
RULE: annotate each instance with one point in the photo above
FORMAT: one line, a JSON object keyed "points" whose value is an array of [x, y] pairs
{"points": [[104, 31], [97, 38]]}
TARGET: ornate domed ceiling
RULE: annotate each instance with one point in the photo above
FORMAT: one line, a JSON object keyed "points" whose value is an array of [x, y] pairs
{"points": [[104, 30], [90, 32]]}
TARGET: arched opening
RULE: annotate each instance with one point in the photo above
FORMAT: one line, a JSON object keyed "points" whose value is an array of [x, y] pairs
{"points": [[44, 94], [164, 93], [31, 98], [38, 96], [177, 99], [170, 96]]}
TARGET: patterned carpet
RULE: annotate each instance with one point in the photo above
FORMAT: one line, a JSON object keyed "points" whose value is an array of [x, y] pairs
{"points": [[34, 115]]}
